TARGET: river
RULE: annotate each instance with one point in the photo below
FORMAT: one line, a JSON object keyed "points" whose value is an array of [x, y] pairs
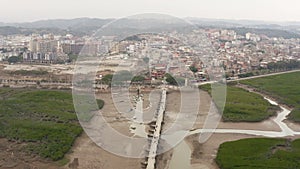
{"points": [[182, 153]]}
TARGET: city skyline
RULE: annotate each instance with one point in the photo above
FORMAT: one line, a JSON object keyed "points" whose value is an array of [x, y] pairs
{"points": [[265, 10]]}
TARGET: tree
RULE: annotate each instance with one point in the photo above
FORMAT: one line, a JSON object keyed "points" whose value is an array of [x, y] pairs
{"points": [[138, 79], [170, 79], [193, 69], [173, 80], [13, 59], [232, 73], [72, 57], [284, 65], [100, 103], [107, 79]]}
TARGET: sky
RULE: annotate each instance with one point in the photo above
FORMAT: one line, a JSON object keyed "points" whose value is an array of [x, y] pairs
{"points": [[33, 10]]}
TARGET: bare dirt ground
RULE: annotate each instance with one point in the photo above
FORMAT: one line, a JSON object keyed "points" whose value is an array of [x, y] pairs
{"points": [[85, 154], [57, 68], [292, 125], [91, 156], [13, 156], [267, 125], [112, 116], [203, 155]]}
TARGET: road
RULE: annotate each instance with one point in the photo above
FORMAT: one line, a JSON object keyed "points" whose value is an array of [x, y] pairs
{"points": [[266, 75], [247, 78]]}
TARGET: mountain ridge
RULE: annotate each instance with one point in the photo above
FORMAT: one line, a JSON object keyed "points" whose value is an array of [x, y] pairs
{"points": [[87, 26]]}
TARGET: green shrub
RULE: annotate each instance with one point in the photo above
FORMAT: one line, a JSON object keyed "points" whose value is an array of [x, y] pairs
{"points": [[244, 106], [259, 153], [100, 103], [285, 88], [44, 119]]}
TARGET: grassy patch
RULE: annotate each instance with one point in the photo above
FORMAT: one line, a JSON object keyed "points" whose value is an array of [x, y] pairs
{"points": [[63, 162], [30, 72], [284, 88], [259, 153], [87, 106], [44, 120], [244, 106]]}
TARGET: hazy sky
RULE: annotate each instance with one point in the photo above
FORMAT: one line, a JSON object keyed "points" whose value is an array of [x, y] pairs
{"points": [[32, 10]]}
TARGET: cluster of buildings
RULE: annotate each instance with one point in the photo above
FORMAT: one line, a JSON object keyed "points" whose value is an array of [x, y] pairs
{"points": [[236, 53], [155, 55], [244, 53], [47, 48]]}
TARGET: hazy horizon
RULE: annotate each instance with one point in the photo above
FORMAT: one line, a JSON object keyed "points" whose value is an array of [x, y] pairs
{"points": [[258, 10], [187, 17]]}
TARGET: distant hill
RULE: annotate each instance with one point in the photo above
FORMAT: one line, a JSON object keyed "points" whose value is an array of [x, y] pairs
{"points": [[247, 23], [271, 29], [268, 32], [10, 30], [78, 26], [62, 23], [87, 26]]}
